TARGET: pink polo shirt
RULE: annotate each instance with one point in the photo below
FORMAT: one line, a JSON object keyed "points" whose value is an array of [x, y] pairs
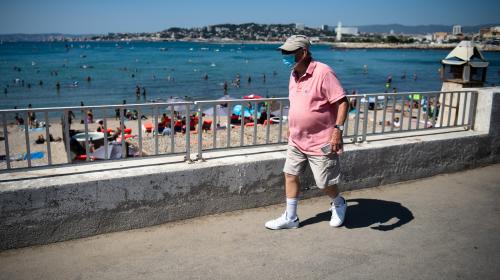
{"points": [[311, 114]]}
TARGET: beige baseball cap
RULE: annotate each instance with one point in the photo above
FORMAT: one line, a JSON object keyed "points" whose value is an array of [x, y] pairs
{"points": [[295, 42]]}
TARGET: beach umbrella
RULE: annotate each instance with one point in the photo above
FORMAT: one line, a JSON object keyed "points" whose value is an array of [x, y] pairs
{"points": [[371, 99], [226, 97], [246, 113], [252, 96], [221, 109], [175, 99], [278, 113]]}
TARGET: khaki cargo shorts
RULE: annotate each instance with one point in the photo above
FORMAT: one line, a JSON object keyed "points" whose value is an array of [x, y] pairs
{"points": [[325, 169]]}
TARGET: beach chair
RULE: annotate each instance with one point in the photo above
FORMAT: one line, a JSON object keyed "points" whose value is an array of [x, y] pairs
{"points": [[83, 158], [207, 125], [178, 126], [148, 127]]}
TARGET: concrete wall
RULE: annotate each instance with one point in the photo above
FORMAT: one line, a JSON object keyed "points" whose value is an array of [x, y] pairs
{"points": [[44, 206]]}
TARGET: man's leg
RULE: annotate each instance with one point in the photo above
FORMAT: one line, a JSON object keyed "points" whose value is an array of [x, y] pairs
{"points": [[338, 206], [326, 171], [292, 186], [295, 164], [292, 189], [332, 191]]}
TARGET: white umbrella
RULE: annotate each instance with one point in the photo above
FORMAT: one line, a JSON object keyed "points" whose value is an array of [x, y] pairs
{"points": [[278, 112], [220, 109], [175, 99]]}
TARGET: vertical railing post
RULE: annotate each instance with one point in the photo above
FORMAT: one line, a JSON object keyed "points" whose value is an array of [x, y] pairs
{"points": [[410, 108], [139, 129], [374, 125], [280, 134], [450, 107], [47, 136], [356, 120], [172, 132], [188, 136], [242, 124], [200, 136], [228, 126], [472, 111], [122, 128], [155, 133], [393, 114], [214, 126], [106, 134], [6, 140], [365, 119], [87, 148], [27, 138], [384, 114], [268, 123], [66, 135]]}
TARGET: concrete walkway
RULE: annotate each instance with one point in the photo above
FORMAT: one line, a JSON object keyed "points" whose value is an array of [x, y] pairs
{"points": [[444, 227]]}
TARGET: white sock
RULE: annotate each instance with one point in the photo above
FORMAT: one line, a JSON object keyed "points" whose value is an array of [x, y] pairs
{"points": [[338, 200], [291, 208]]}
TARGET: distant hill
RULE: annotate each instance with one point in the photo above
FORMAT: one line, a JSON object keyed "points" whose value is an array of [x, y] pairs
{"points": [[21, 37], [242, 32], [418, 29]]}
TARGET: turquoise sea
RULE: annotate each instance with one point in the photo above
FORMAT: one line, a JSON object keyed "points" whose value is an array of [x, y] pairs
{"points": [[167, 69]]}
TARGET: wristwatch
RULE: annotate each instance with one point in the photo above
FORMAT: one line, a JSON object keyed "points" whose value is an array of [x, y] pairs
{"points": [[339, 127]]}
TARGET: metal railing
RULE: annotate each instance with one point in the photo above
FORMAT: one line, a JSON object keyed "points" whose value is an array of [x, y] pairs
{"points": [[217, 123], [387, 113]]}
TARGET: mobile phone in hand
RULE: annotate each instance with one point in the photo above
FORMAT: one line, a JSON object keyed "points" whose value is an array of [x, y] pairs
{"points": [[326, 149]]}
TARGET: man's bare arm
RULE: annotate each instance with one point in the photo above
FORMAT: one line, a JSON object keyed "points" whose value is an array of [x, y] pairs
{"points": [[341, 106]]}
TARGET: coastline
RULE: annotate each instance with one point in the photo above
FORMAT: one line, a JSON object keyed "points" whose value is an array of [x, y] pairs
{"points": [[333, 45], [345, 45]]}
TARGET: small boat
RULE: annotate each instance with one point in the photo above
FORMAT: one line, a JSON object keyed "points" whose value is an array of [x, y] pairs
{"points": [[163, 49]]}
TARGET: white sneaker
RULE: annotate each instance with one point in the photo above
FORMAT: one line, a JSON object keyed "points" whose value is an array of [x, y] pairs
{"points": [[282, 223], [338, 214]]}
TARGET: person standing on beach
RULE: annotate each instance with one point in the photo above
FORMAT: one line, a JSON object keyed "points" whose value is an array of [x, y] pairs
{"points": [[318, 109], [31, 117], [137, 91]]}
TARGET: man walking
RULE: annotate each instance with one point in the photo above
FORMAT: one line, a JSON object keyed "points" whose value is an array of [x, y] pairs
{"points": [[318, 108]]}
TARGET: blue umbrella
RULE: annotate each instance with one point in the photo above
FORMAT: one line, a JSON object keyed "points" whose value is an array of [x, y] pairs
{"points": [[246, 113]]}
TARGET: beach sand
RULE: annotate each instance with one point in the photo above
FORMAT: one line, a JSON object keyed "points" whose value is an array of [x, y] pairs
{"points": [[17, 137], [17, 140]]}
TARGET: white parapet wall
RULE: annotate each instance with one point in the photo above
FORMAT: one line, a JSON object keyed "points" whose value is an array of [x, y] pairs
{"points": [[49, 205]]}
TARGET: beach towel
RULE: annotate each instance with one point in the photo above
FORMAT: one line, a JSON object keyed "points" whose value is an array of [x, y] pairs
{"points": [[34, 155], [35, 129]]}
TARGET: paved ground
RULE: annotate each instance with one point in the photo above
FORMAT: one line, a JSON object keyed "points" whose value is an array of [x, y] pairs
{"points": [[444, 227]]}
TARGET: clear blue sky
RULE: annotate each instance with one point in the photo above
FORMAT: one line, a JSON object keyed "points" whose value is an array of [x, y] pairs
{"points": [[102, 16]]}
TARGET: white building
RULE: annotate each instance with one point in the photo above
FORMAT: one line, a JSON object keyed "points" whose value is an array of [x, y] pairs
{"points": [[300, 26], [457, 29], [347, 30], [338, 30]]}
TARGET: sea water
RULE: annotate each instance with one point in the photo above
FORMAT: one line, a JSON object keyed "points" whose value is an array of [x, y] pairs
{"points": [[196, 71]]}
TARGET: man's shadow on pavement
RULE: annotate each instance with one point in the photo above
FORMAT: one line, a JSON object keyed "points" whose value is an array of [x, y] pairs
{"points": [[373, 213]]}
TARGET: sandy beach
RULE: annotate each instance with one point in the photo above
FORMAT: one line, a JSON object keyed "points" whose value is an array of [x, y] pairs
{"points": [[17, 137], [17, 140]]}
